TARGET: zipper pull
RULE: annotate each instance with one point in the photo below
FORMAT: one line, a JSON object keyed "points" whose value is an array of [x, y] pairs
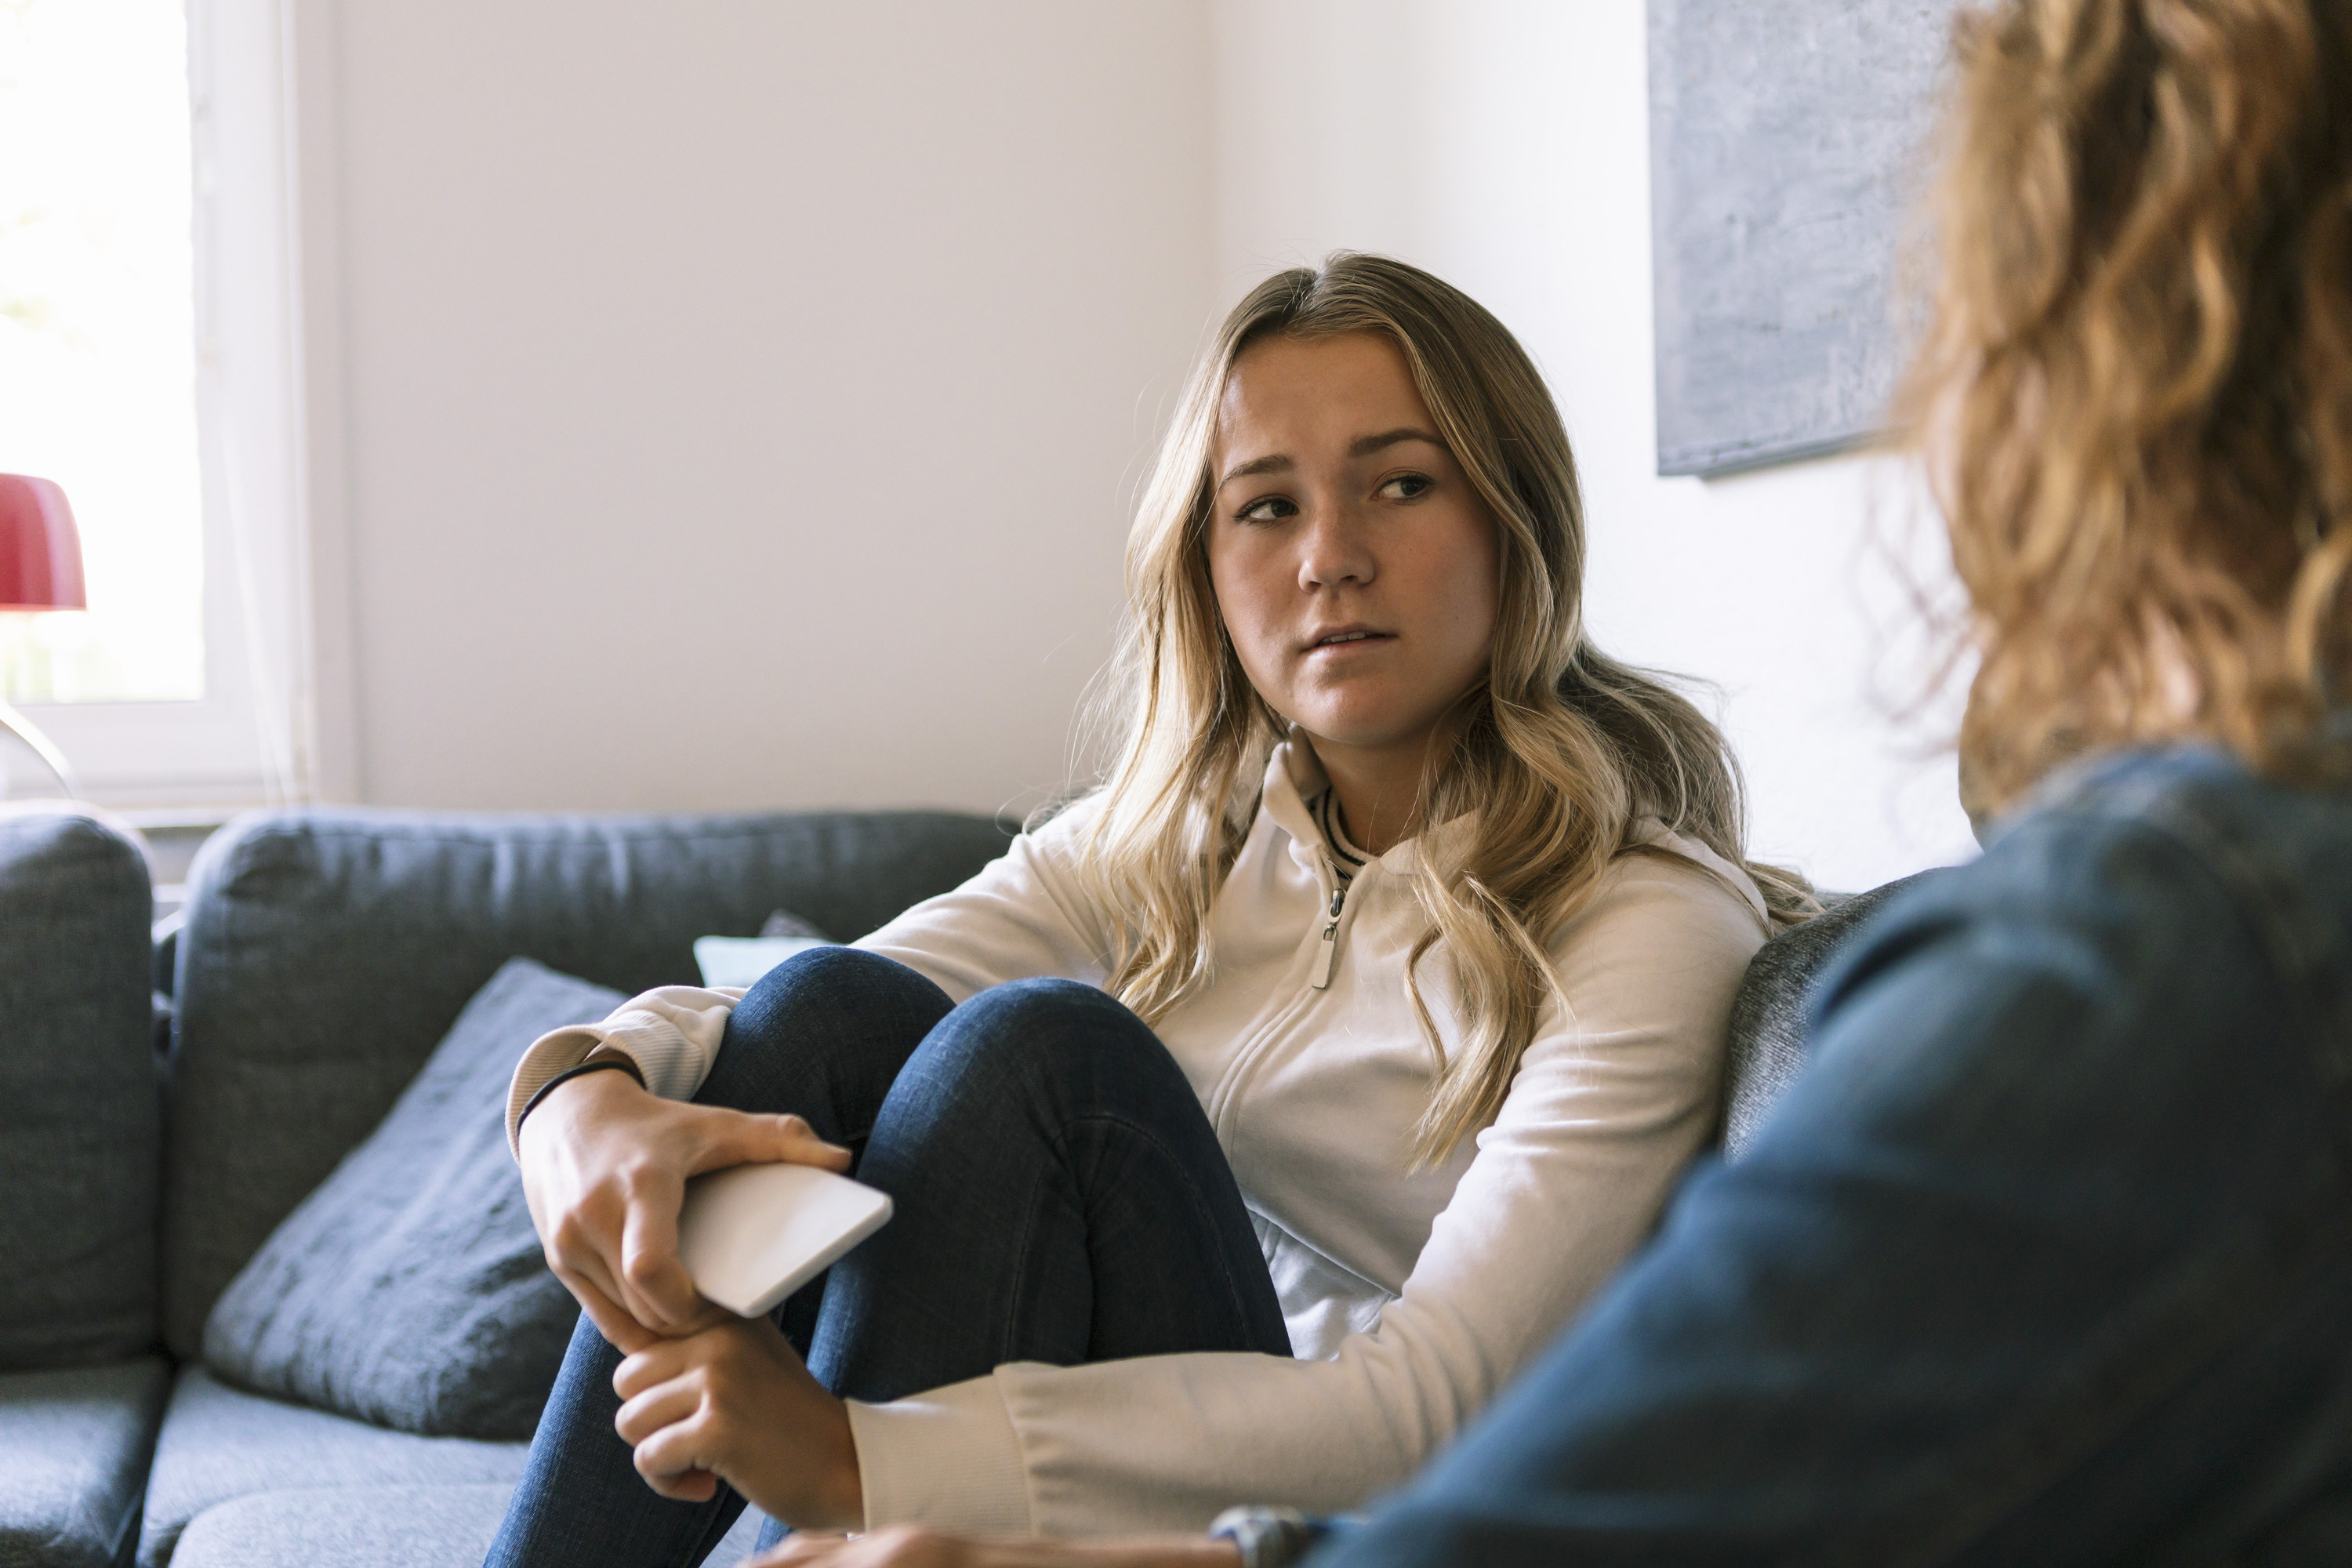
{"points": [[1328, 949]]}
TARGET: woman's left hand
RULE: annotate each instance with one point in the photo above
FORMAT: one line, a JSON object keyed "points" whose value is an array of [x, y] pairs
{"points": [[731, 1401]]}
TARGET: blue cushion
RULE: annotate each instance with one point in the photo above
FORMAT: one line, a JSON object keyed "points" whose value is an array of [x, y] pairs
{"points": [[78, 1117], [327, 951], [74, 1445], [410, 1289]]}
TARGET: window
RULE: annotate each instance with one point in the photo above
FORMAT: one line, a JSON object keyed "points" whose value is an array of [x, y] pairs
{"points": [[98, 340], [151, 362]]}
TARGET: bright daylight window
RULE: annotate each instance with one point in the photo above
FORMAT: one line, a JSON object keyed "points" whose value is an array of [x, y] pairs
{"points": [[98, 340]]}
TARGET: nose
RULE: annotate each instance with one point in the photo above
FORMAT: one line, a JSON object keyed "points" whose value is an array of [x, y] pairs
{"points": [[1333, 549]]}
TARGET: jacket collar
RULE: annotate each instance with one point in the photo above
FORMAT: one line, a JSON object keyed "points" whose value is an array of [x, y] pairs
{"points": [[1294, 776]]}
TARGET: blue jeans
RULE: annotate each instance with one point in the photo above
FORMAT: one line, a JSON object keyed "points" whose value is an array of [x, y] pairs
{"points": [[1059, 1196], [2045, 1258]]}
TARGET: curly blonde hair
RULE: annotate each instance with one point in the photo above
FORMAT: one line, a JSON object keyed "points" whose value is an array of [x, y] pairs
{"points": [[2134, 387], [1559, 749]]}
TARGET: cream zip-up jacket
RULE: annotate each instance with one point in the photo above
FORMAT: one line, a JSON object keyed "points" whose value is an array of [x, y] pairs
{"points": [[1412, 1297]]}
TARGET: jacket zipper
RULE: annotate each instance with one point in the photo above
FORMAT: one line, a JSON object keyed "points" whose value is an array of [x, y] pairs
{"points": [[1329, 951], [1250, 1056]]}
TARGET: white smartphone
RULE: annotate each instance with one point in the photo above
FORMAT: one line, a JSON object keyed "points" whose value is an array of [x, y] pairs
{"points": [[752, 1234]]}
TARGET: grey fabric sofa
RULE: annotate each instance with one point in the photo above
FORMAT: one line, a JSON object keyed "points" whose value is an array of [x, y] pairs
{"points": [[324, 955]]}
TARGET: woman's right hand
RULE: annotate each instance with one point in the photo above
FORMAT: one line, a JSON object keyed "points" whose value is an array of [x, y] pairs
{"points": [[604, 1167]]}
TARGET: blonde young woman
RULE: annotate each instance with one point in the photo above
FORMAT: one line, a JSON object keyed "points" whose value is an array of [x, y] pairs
{"points": [[1250, 1121]]}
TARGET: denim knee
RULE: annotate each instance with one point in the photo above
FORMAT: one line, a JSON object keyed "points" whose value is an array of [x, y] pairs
{"points": [[1030, 1009], [823, 1034], [1046, 1031], [821, 977]]}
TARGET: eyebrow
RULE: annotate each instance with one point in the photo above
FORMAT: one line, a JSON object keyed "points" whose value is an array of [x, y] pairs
{"points": [[1361, 446], [1365, 446]]}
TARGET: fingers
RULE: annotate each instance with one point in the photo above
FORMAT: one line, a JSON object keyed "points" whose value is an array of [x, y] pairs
{"points": [[570, 1221], [743, 1138], [675, 1449], [664, 1404], [656, 1359], [594, 1288], [656, 1364], [686, 1485], [621, 1330], [665, 1419], [661, 1293]]}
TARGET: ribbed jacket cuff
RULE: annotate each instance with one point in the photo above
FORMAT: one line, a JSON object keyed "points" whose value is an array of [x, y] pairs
{"points": [[673, 1068], [949, 1458], [549, 1054]]}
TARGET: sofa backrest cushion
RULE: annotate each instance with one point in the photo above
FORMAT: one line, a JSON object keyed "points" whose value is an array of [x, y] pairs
{"points": [[1769, 1017], [327, 951], [78, 1112]]}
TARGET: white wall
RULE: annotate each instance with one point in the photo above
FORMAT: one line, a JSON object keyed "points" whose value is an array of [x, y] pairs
{"points": [[1504, 144], [740, 397]]}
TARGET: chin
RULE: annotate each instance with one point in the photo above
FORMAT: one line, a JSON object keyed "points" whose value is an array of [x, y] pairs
{"points": [[1360, 734]]}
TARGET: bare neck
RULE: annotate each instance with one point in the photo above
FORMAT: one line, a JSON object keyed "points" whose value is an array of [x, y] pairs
{"points": [[1377, 791]]}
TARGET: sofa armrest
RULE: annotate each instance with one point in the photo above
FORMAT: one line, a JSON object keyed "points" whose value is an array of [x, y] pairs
{"points": [[1771, 1015], [79, 1122]]}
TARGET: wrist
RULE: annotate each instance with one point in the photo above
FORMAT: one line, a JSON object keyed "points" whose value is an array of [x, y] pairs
{"points": [[844, 1485], [601, 1075], [593, 1090]]}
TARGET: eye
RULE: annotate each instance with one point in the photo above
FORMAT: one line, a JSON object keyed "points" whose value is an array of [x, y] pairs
{"points": [[1266, 508], [1407, 487]]}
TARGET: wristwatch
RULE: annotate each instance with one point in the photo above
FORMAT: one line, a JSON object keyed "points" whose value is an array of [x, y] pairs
{"points": [[1269, 1537]]}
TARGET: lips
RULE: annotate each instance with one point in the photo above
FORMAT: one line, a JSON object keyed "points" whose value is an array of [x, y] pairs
{"points": [[1344, 636]]}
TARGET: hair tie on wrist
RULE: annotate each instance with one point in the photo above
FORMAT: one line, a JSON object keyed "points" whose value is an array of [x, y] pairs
{"points": [[615, 1063]]}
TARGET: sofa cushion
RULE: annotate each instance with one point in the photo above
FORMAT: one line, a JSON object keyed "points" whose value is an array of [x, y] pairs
{"points": [[219, 1444], [327, 951], [374, 1527], [74, 1443], [364, 1527], [409, 1289], [79, 1120], [1771, 1014]]}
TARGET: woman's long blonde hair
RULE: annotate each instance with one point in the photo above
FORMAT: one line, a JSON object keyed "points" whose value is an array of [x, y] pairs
{"points": [[1559, 749], [2134, 392]]}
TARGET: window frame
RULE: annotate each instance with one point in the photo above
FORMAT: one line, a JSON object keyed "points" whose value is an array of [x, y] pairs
{"points": [[268, 417]]}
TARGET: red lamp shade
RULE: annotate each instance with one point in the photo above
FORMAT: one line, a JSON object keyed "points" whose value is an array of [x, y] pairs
{"points": [[40, 553]]}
